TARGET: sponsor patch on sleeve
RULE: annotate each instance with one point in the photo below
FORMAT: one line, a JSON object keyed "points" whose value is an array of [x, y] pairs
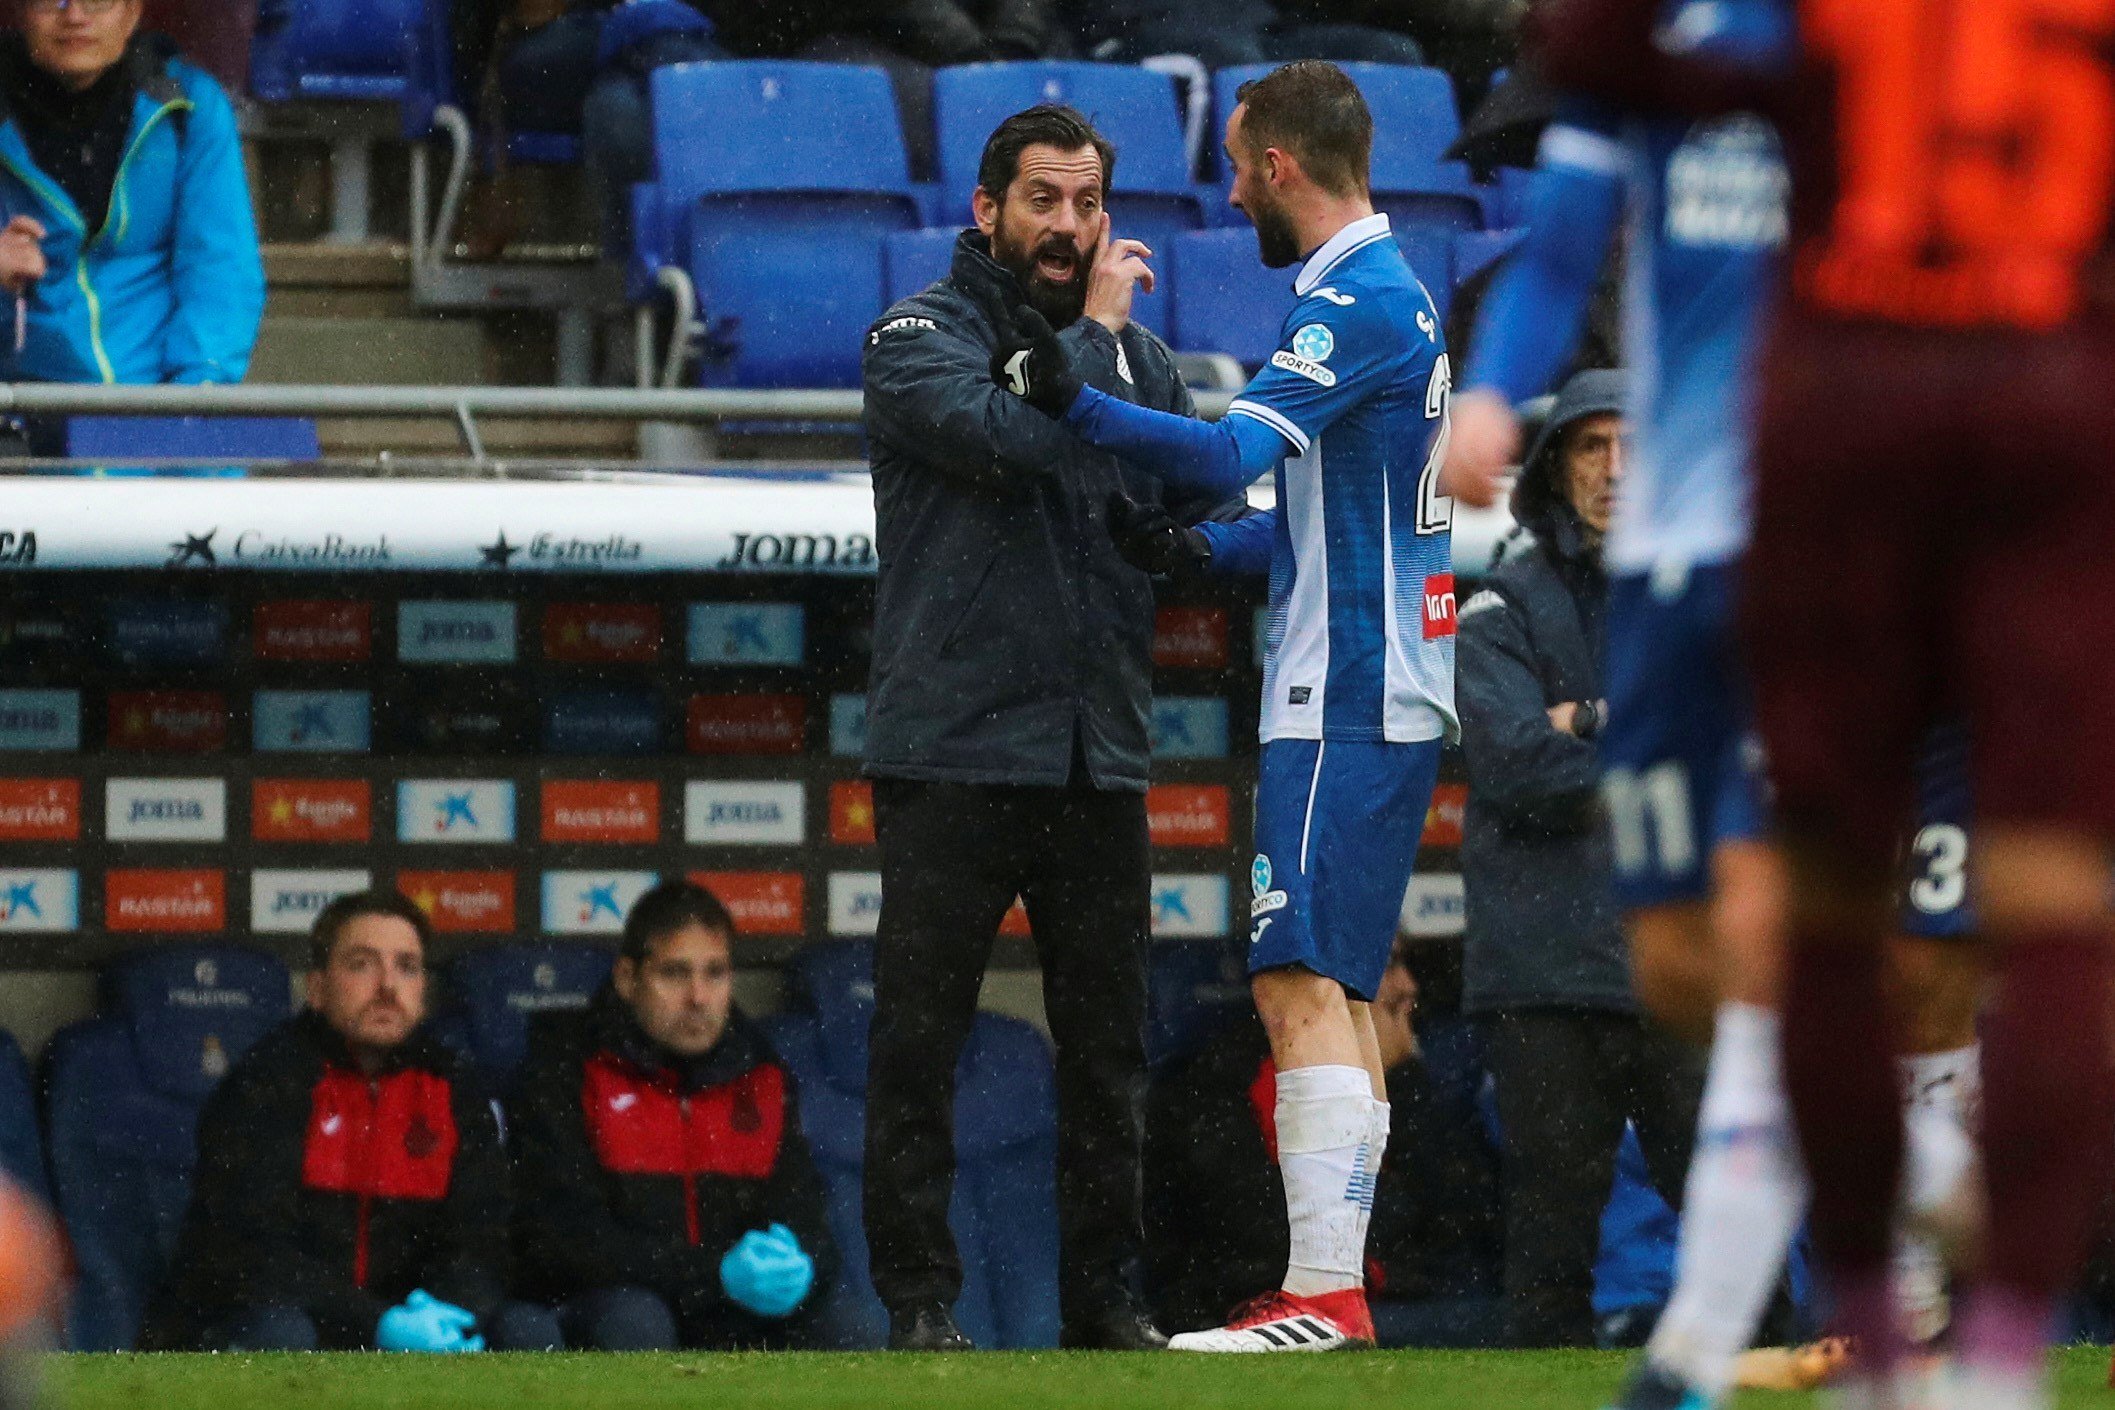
{"points": [[1301, 367], [904, 325]]}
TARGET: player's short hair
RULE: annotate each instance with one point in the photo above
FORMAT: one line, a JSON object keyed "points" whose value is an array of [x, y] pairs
{"points": [[331, 922], [1313, 110], [1044, 125], [668, 908]]}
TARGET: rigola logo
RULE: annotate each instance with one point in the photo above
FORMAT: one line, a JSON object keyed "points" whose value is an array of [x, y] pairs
{"points": [[744, 812], [602, 633], [603, 722], [1450, 804], [455, 810], [311, 722], [311, 810], [1434, 907], [800, 553], [1439, 606], [592, 902], [1190, 905], [40, 810], [40, 902], [169, 721], [166, 632], [747, 724], [329, 551], [1189, 727], [41, 721], [462, 902], [18, 547], [746, 634], [1190, 638], [852, 813], [595, 811], [156, 900], [296, 630], [455, 633], [288, 902], [165, 810], [848, 726], [761, 902], [1183, 815], [855, 902]]}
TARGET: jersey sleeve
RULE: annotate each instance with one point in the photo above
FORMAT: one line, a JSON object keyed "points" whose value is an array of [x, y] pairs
{"points": [[1332, 356]]}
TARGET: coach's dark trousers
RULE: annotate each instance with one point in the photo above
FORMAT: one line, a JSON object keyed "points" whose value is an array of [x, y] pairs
{"points": [[953, 857]]}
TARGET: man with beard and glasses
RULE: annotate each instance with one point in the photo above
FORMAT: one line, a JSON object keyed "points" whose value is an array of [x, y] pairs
{"points": [[1007, 731]]}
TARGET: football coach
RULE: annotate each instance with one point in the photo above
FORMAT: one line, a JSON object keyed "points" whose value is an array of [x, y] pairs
{"points": [[1007, 724]]}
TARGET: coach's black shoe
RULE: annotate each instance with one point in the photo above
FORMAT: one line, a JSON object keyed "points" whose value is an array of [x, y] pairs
{"points": [[1651, 1388], [1119, 1328], [928, 1327]]}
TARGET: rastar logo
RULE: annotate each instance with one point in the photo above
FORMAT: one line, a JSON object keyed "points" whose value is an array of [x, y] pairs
{"points": [[1439, 606], [156, 900], [1184, 815], [296, 630], [18, 547], [311, 810], [169, 721], [462, 902], [852, 813], [602, 633], [595, 811], [800, 553], [40, 810], [1190, 638], [762, 902], [747, 724], [1450, 803]]}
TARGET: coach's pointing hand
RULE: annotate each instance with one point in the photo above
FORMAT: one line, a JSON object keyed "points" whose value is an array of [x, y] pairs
{"points": [[1031, 364], [1120, 268]]}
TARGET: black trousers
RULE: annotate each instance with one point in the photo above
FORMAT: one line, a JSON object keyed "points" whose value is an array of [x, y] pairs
{"points": [[1568, 1080], [953, 857]]}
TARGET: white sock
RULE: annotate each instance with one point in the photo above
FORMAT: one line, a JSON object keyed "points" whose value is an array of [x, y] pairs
{"points": [[1940, 1090], [1746, 1195], [1324, 1118], [1371, 1155]]}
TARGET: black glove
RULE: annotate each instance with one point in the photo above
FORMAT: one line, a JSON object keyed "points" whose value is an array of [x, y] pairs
{"points": [[1148, 538], [1031, 364]]}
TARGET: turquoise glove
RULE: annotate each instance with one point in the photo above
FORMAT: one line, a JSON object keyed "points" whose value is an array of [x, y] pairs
{"points": [[422, 1322], [768, 1272]]}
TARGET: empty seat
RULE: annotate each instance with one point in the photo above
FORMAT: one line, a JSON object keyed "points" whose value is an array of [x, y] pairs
{"points": [[775, 183], [1192, 987], [21, 1144], [123, 1092], [494, 994], [915, 259], [1004, 1213], [1477, 250], [1428, 248], [1230, 301], [332, 49]]}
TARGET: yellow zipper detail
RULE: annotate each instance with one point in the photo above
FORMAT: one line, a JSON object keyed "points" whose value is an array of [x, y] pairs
{"points": [[123, 209]]}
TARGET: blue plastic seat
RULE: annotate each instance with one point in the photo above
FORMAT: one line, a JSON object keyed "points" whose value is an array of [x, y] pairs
{"points": [[21, 1142], [775, 183], [192, 438], [1004, 1213], [1230, 302], [1477, 250], [333, 49], [1429, 249], [123, 1092], [915, 259], [1192, 987], [495, 993]]}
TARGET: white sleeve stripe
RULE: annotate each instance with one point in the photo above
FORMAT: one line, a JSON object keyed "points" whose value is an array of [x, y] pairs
{"points": [[1271, 419], [1585, 151]]}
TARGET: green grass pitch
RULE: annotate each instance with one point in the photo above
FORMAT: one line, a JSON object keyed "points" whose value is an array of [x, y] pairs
{"points": [[989, 1381]]}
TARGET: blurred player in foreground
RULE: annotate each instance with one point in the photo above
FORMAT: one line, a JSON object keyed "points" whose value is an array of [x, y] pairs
{"points": [[1358, 678], [30, 1289]]}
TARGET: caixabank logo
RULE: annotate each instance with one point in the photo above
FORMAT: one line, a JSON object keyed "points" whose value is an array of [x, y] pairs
{"points": [[157, 900], [761, 902], [746, 634], [40, 721], [311, 721], [1188, 727], [165, 809], [311, 810], [1187, 905], [450, 810], [39, 901], [169, 721], [463, 902], [592, 902], [287, 902], [40, 810]]}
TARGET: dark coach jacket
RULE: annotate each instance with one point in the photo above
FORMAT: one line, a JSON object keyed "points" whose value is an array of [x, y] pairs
{"points": [[1542, 926], [638, 1168], [337, 1191], [1005, 624]]}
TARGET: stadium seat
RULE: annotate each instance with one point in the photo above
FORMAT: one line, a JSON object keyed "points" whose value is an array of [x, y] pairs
{"points": [[123, 1092], [191, 438], [914, 259], [1229, 301], [1477, 250], [775, 183], [1192, 987], [1429, 249], [21, 1144], [332, 49], [1414, 122], [1153, 197], [1004, 1213], [494, 994]]}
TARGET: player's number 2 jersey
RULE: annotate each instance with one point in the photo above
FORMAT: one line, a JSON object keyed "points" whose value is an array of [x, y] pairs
{"points": [[1360, 643]]}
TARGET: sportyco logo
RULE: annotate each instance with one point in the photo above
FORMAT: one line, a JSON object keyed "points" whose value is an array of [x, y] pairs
{"points": [[591, 902], [594, 811], [169, 721], [165, 810], [1190, 638], [311, 810], [40, 902], [455, 633], [156, 900], [1182, 815], [746, 634], [288, 902], [40, 720], [455, 810], [602, 633], [744, 812], [762, 902], [1439, 606], [40, 810], [297, 630], [747, 724], [1190, 905], [311, 721], [462, 902]]}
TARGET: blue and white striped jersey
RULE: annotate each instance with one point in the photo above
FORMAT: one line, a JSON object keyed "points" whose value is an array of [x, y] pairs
{"points": [[1361, 636]]}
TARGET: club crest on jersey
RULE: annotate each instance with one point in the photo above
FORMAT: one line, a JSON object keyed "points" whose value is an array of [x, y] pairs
{"points": [[1301, 367], [1314, 343], [1259, 879]]}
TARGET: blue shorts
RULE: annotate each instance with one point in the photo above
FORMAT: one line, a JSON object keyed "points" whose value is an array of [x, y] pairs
{"points": [[1337, 828], [1681, 763]]}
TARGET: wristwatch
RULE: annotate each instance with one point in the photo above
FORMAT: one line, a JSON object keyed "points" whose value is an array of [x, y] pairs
{"points": [[1586, 720]]}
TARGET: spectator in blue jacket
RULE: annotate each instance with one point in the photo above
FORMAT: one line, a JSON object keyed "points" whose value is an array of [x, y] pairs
{"points": [[125, 225]]}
